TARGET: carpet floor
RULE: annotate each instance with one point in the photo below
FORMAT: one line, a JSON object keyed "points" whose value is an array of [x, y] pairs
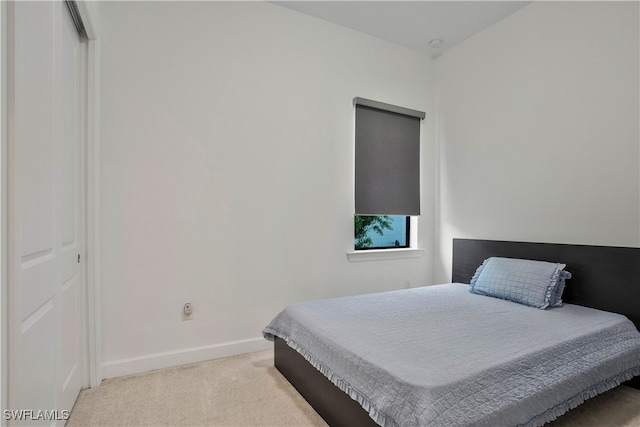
{"points": [[247, 390]]}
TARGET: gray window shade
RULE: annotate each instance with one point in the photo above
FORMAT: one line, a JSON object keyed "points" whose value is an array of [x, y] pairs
{"points": [[387, 159]]}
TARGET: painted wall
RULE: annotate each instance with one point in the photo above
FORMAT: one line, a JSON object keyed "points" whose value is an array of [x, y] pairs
{"points": [[538, 129], [223, 126]]}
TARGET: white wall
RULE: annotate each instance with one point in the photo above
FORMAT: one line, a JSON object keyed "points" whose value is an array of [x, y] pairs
{"points": [[226, 138], [4, 141], [227, 128], [538, 129]]}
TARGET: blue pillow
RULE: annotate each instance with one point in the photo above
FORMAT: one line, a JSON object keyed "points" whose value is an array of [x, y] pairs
{"points": [[556, 298], [532, 283]]}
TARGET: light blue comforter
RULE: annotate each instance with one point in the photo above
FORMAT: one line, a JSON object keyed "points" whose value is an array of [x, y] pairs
{"points": [[441, 356]]}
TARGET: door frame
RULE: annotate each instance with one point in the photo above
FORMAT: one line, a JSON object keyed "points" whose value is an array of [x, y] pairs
{"points": [[91, 232], [91, 352]]}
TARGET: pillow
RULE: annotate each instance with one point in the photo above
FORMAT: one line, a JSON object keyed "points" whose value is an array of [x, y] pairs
{"points": [[532, 283], [556, 297]]}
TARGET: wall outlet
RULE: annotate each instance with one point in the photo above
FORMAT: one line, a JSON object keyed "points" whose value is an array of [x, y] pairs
{"points": [[407, 283], [187, 311]]}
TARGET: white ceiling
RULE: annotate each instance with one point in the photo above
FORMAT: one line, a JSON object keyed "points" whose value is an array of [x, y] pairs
{"points": [[411, 23]]}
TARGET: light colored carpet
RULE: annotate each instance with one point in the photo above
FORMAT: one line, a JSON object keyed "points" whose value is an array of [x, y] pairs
{"points": [[247, 390]]}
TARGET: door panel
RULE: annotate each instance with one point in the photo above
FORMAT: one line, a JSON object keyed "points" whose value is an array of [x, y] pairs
{"points": [[48, 277], [34, 64], [67, 97], [37, 370], [36, 283], [37, 268]]}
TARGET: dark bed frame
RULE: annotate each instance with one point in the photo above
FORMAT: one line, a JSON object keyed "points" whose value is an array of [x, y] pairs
{"points": [[604, 277]]}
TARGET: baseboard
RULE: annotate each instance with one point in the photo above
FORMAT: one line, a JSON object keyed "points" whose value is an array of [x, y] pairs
{"points": [[150, 362]]}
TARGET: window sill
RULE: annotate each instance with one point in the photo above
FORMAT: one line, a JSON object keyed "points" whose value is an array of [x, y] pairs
{"points": [[384, 254]]}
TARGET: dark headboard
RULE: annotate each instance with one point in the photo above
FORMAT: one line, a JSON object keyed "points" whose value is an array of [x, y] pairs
{"points": [[604, 277]]}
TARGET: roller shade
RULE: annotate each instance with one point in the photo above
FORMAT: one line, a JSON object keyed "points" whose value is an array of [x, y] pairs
{"points": [[387, 159]]}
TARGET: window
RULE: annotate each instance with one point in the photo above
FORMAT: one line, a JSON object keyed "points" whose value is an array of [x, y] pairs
{"points": [[381, 231], [387, 174]]}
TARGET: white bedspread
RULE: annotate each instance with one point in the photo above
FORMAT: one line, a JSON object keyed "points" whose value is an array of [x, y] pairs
{"points": [[440, 356]]}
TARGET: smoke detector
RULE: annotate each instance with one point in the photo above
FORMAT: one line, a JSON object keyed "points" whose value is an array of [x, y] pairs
{"points": [[435, 43]]}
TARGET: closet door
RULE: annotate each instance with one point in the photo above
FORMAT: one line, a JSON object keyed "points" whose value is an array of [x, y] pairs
{"points": [[46, 281]]}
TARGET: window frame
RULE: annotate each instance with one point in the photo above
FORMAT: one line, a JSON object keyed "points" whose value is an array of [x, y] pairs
{"points": [[411, 250]]}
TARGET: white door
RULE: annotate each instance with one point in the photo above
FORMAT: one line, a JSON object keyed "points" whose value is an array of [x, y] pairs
{"points": [[46, 281], [67, 110]]}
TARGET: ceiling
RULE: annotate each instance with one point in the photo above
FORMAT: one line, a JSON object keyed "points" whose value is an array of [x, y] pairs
{"points": [[412, 24]]}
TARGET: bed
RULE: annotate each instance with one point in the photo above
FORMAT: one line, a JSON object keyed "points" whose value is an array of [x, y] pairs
{"points": [[466, 363]]}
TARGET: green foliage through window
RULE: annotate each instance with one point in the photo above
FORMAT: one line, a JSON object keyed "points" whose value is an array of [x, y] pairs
{"points": [[380, 231]]}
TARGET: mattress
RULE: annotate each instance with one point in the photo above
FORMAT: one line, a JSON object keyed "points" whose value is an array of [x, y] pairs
{"points": [[441, 356]]}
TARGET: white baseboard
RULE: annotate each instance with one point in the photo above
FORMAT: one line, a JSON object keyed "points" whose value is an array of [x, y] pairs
{"points": [[150, 362]]}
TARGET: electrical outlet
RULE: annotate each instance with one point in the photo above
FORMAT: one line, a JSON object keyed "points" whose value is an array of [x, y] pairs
{"points": [[407, 283], [187, 311]]}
